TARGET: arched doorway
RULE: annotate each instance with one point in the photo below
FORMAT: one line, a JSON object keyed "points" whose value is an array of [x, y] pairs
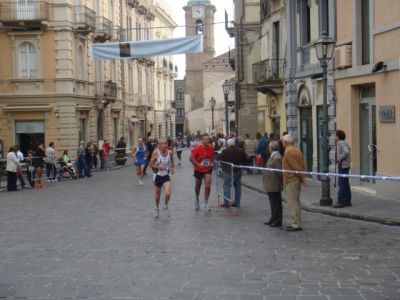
{"points": [[306, 142]]}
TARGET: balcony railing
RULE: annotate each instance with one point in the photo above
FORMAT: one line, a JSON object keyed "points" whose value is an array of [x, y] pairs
{"points": [[104, 26], [85, 17], [24, 11], [133, 3], [268, 75], [106, 89]]}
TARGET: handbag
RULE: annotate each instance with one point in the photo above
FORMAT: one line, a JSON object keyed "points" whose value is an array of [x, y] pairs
{"points": [[19, 171], [258, 159]]}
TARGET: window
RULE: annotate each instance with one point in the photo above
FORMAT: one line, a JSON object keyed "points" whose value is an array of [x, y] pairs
{"points": [[115, 130], [113, 71], [180, 95], [180, 113], [305, 25], [27, 60], [79, 63], [111, 10], [365, 28], [82, 130], [199, 27], [323, 17]]}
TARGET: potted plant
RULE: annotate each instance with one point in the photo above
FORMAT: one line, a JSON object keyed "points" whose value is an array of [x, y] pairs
{"points": [[120, 158]]}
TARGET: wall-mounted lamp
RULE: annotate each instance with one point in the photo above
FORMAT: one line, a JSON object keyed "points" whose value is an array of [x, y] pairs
{"points": [[56, 112], [379, 66]]}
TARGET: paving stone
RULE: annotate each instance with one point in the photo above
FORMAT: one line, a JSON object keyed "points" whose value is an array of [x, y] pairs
{"points": [[96, 239]]}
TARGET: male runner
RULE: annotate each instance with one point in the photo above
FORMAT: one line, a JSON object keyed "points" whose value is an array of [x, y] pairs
{"points": [[139, 154], [163, 161], [202, 158]]}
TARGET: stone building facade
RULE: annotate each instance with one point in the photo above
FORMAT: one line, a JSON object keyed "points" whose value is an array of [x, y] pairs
{"points": [[199, 19], [50, 88], [367, 89]]}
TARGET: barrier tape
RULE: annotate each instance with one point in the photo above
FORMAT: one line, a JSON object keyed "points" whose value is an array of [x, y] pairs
{"points": [[363, 177]]}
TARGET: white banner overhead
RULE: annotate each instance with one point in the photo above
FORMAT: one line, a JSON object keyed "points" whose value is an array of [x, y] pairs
{"points": [[127, 50]]}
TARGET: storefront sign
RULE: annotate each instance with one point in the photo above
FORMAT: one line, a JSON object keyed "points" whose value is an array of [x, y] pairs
{"points": [[387, 114]]}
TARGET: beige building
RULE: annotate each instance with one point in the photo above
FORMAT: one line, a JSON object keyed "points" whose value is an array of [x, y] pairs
{"points": [[367, 88], [247, 45], [50, 88], [165, 73], [215, 72], [269, 72]]}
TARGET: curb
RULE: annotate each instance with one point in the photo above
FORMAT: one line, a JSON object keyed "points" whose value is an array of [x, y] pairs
{"points": [[338, 213]]}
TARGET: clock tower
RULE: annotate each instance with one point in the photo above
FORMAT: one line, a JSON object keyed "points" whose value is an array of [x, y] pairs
{"points": [[199, 18]]}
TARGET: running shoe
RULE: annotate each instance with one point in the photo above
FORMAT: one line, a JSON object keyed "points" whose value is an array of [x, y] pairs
{"points": [[206, 208], [141, 182], [196, 205], [166, 211], [156, 213]]}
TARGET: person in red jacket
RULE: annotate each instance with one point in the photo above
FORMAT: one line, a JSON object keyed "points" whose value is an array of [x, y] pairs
{"points": [[105, 153], [202, 158]]}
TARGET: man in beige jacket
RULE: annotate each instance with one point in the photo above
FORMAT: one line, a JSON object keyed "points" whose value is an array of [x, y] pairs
{"points": [[293, 161]]}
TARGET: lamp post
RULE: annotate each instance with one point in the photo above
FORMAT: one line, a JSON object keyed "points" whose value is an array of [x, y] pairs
{"points": [[226, 88], [212, 105], [324, 49]]}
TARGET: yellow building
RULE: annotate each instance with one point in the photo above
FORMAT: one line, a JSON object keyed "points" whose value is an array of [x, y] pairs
{"points": [[269, 72], [367, 88], [50, 88]]}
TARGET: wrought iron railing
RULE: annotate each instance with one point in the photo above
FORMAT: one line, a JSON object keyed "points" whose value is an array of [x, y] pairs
{"points": [[104, 25], [106, 89], [24, 11], [85, 16], [268, 70]]}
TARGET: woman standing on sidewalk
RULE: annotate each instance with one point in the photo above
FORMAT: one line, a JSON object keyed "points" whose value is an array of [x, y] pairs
{"points": [[11, 168], [343, 153]]}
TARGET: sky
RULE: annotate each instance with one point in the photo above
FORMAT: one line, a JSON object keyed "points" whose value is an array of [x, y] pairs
{"points": [[222, 39]]}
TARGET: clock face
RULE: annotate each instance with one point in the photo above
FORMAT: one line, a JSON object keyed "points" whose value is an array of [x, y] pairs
{"points": [[198, 11]]}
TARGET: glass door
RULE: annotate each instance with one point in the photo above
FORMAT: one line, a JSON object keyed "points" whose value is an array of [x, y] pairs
{"points": [[306, 136], [368, 157]]}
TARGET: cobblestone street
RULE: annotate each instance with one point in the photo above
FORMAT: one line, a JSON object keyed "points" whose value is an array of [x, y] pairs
{"points": [[96, 238]]}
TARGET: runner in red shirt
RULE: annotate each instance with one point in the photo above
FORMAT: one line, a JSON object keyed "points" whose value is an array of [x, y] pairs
{"points": [[202, 158]]}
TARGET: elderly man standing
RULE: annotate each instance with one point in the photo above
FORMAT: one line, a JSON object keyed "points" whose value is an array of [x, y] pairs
{"points": [[236, 156], [293, 161], [272, 182]]}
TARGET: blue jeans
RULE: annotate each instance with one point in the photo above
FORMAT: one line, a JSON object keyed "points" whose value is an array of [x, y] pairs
{"points": [[344, 191], [83, 167], [237, 185]]}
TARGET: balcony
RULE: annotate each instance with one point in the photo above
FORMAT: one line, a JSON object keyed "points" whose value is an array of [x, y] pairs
{"points": [[31, 13], [107, 90], [85, 18], [132, 3], [104, 29], [268, 76]]}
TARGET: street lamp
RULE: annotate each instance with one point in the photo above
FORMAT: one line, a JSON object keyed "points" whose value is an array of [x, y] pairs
{"points": [[212, 105], [324, 49], [226, 88]]}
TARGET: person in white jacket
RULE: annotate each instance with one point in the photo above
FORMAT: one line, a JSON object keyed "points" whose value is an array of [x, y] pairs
{"points": [[11, 168]]}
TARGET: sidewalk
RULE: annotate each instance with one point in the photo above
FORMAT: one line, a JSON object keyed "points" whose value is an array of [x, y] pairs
{"points": [[365, 207]]}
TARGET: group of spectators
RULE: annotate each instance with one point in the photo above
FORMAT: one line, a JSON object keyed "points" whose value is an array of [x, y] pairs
{"points": [[39, 159]]}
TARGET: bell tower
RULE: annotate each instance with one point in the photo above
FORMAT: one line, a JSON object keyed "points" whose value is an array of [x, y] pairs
{"points": [[199, 19]]}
